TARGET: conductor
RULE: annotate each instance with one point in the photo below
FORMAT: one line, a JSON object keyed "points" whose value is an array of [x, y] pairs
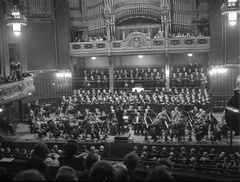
{"points": [[120, 121]]}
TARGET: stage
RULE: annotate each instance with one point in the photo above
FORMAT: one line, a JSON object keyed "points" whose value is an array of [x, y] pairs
{"points": [[117, 146]]}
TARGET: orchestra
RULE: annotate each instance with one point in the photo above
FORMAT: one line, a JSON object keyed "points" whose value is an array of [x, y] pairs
{"points": [[101, 113]]}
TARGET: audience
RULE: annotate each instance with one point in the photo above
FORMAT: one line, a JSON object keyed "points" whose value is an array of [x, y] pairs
{"points": [[66, 173], [131, 162], [69, 157], [102, 171], [159, 166], [159, 173], [90, 160], [29, 175]]}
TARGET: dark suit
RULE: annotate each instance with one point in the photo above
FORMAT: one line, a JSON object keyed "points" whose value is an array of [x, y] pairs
{"points": [[119, 116]]}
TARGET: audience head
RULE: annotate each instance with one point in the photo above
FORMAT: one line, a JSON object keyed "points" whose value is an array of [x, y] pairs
{"points": [[165, 162], [164, 149], [92, 149], [131, 161], [70, 149], [66, 173], [101, 171], [91, 159], [159, 173], [41, 150], [36, 162], [101, 148], [29, 175], [120, 172], [154, 148]]}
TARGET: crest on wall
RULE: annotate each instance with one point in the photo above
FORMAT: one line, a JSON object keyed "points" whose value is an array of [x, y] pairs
{"points": [[136, 42]]}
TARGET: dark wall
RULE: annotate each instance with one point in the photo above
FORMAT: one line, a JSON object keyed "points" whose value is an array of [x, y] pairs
{"points": [[232, 41], [49, 87], [40, 45], [216, 29], [63, 34]]}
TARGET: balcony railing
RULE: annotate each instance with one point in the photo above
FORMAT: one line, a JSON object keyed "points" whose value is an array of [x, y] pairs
{"points": [[135, 43], [16, 90]]}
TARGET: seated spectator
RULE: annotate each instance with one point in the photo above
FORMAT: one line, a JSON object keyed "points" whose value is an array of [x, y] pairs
{"points": [[92, 149], [164, 153], [159, 173], [192, 152], [101, 171], [41, 150], [120, 172], [154, 152], [131, 161], [69, 159], [91, 159], [226, 163], [193, 162], [29, 175], [102, 152], [165, 162], [66, 173], [3, 174], [136, 151], [36, 163]]}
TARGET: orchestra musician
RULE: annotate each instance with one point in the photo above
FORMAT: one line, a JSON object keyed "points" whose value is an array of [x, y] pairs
{"points": [[202, 129], [178, 128], [37, 128], [120, 121], [175, 114], [220, 129], [165, 120], [139, 124]]}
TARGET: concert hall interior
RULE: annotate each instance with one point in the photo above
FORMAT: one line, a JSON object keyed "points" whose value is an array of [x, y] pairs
{"points": [[148, 89]]}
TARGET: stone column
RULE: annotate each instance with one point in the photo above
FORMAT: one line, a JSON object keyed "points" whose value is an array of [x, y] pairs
{"points": [[110, 69], [4, 48]]}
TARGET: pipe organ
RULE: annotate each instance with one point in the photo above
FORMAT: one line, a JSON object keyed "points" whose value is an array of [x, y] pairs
{"points": [[95, 18], [39, 9], [181, 15]]}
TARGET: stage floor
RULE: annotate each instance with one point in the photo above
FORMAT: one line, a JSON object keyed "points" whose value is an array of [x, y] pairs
{"points": [[23, 134]]}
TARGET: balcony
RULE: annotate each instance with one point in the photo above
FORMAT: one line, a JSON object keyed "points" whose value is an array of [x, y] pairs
{"points": [[16, 90], [136, 42]]}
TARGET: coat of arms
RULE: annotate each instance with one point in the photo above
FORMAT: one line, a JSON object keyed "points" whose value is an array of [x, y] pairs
{"points": [[136, 42]]}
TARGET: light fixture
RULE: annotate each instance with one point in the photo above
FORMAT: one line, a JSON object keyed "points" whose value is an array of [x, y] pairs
{"points": [[93, 58], [140, 56], [231, 8], [16, 20], [217, 69], [190, 54], [1, 110], [29, 93], [64, 74]]}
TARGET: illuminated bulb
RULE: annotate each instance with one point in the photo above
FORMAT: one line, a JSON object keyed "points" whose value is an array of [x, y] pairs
{"points": [[16, 29], [1, 110], [232, 18], [190, 54], [93, 58], [16, 33], [30, 93], [140, 56]]}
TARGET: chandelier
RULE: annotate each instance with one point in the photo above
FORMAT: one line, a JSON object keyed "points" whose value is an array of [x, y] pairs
{"points": [[231, 8], [16, 20]]}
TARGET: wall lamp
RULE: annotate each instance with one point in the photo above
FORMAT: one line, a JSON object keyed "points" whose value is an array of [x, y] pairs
{"points": [[64, 74], [231, 8], [16, 20], [217, 69]]}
